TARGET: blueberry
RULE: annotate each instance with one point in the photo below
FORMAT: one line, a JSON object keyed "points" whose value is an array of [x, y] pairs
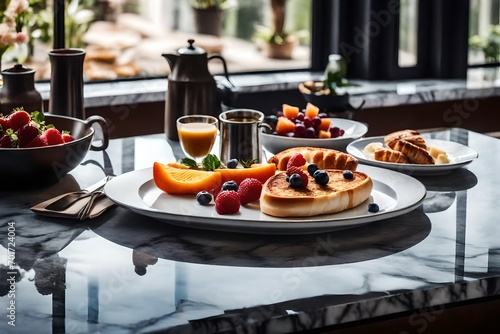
{"points": [[230, 185], [296, 181], [373, 207], [316, 172], [311, 168], [203, 197], [348, 175], [321, 177], [232, 163], [287, 178]]}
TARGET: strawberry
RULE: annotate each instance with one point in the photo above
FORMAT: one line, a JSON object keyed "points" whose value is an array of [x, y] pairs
{"points": [[18, 118], [296, 160], [52, 136], [26, 134], [37, 142], [227, 201], [297, 170], [4, 124], [5, 142], [249, 190], [67, 137]]}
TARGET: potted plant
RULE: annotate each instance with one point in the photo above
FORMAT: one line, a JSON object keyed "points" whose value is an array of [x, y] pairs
{"points": [[277, 42], [209, 15]]}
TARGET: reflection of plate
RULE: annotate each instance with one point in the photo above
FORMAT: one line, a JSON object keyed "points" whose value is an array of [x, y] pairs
{"points": [[460, 155], [353, 130], [136, 191]]}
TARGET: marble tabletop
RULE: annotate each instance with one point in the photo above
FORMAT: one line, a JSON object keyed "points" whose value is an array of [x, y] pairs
{"points": [[126, 273]]}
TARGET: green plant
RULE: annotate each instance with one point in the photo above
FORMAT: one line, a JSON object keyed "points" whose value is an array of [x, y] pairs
{"points": [[489, 45], [77, 21]]}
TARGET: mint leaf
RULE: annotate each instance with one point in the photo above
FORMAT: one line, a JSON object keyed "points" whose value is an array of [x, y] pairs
{"points": [[247, 164], [188, 162], [210, 162]]}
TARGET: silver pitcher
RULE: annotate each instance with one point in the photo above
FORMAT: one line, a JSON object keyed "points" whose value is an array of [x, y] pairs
{"points": [[240, 131]]}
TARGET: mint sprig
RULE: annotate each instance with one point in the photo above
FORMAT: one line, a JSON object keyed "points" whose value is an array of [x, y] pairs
{"points": [[210, 162], [188, 162]]}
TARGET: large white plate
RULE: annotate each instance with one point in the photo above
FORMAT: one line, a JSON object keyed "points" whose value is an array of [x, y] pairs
{"points": [[353, 130], [460, 155], [395, 193]]}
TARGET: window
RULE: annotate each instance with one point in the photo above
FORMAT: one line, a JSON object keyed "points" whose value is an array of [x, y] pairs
{"points": [[126, 38]]}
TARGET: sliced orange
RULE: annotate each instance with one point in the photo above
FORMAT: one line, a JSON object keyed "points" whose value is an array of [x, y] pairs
{"points": [[260, 172], [182, 181], [177, 165]]}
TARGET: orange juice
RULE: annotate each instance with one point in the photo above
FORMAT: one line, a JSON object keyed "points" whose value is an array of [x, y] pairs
{"points": [[197, 139]]}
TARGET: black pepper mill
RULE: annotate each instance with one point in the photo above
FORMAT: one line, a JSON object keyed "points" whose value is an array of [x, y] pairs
{"points": [[18, 90], [66, 82]]}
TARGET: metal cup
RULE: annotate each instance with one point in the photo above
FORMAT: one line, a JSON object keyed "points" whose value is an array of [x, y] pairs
{"points": [[240, 131]]}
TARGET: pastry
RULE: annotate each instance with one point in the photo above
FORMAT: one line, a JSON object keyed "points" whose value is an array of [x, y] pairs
{"points": [[414, 153], [411, 136], [390, 155], [279, 199], [323, 157]]}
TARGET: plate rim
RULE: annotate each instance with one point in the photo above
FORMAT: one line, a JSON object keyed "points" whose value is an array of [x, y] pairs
{"points": [[131, 200], [409, 168]]}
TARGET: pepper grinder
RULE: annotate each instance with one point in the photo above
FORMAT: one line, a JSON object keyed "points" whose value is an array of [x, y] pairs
{"points": [[66, 82], [18, 90]]}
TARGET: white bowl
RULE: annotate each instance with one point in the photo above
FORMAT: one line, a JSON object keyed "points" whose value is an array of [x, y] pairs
{"points": [[353, 130]]}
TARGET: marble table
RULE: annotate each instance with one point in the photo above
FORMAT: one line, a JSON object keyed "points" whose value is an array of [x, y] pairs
{"points": [[127, 273]]}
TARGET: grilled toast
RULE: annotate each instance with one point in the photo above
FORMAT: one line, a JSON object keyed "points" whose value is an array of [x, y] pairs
{"points": [[323, 157], [279, 199]]}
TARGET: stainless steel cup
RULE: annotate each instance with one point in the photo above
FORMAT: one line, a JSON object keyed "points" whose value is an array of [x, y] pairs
{"points": [[240, 131]]}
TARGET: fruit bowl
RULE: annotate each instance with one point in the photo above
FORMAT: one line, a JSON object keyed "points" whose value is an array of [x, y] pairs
{"points": [[353, 130], [39, 166]]}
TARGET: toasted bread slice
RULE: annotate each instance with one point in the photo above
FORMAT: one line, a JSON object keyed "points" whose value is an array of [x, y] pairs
{"points": [[415, 154], [389, 155], [323, 157], [411, 136], [279, 199]]}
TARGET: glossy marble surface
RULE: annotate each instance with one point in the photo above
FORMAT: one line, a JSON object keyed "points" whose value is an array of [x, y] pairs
{"points": [[125, 273]]}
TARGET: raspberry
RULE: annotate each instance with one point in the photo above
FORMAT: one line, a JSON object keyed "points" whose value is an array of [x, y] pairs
{"points": [[297, 170], [53, 136], [297, 160], [18, 118], [249, 190], [26, 134], [227, 201]]}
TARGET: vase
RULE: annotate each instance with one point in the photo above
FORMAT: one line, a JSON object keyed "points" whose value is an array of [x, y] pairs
{"points": [[18, 90], [208, 21], [66, 82]]}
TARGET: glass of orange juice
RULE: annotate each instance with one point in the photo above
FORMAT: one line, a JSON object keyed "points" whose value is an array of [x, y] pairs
{"points": [[197, 135]]}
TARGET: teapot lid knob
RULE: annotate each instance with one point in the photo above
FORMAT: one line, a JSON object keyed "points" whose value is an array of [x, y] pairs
{"points": [[191, 49]]}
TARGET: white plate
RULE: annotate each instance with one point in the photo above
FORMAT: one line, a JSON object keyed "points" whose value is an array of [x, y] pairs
{"points": [[395, 193], [353, 130], [459, 155]]}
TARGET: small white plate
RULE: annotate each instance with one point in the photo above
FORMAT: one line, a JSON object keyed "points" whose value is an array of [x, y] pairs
{"points": [[395, 193], [459, 155], [353, 130]]}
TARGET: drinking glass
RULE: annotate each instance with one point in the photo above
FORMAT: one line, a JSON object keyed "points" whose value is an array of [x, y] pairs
{"points": [[197, 135]]}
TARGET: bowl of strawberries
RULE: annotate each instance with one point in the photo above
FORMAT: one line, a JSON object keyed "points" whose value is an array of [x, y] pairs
{"points": [[293, 127], [40, 149]]}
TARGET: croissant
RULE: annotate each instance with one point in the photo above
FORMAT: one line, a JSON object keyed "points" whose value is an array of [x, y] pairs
{"points": [[414, 153], [323, 157], [411, 136], [389, 155]]}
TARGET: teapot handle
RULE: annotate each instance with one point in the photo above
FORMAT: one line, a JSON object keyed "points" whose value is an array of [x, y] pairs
{"points": [[216, 56]]}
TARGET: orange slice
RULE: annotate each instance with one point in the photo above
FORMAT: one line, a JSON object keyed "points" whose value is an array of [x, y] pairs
{"points": [[260, 172], [182, 181]]}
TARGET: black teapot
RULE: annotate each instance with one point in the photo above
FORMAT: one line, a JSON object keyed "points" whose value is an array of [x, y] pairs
{"points": [[191, 88], [18, 90]]}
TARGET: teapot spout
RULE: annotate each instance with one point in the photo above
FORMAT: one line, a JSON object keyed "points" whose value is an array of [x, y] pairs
{"points": [[171, 58]]}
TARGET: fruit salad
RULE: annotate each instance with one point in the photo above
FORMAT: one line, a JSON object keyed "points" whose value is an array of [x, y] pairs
{"points": [[22, 130], [308, 123]]}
